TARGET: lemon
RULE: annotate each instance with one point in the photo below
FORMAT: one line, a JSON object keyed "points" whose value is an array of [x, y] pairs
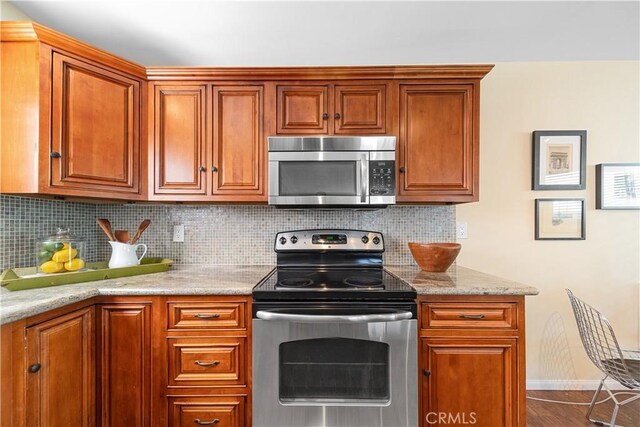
{"points": [[74, 264], [52, 267], [64, 255]]}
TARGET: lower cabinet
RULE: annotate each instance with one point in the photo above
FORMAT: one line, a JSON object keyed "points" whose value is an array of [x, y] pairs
{"points": [[218, 411], [472, 361], [60, 376]]}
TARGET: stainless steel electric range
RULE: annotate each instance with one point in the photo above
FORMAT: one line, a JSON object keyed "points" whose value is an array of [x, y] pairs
{"points": [[334, 335]]}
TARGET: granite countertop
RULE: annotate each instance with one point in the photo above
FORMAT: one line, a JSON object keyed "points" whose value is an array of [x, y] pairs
{"points": [[458, 281], [235, 280], [180, 280]]}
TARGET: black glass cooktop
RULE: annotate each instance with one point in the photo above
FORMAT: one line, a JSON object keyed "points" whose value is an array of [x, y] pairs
{"points": [[332, 283]]}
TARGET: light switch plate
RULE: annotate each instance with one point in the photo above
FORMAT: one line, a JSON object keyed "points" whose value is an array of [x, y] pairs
{"points": [[178, 233], [461, 230]]}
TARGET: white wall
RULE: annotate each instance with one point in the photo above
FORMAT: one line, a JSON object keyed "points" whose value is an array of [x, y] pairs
{"points": [[8, 12], [518, 98]]}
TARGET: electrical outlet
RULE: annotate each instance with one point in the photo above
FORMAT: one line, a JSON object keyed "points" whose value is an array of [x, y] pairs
{"points": [[461, 230], [178, 233]]}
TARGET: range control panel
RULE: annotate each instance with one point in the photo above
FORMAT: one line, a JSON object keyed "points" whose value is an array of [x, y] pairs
{"points": [[327, 240], [382, 178]]}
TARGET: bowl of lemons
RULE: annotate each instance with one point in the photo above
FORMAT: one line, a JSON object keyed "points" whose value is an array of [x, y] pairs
{"points": [[61, 252]]}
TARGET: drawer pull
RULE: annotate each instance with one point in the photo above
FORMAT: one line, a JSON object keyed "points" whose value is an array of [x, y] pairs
{"points": [[207, 316], [214, 363], [206, 423], [472, 316]]}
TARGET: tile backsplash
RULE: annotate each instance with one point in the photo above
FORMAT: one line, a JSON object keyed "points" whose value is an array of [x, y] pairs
{"points": [[214, 234]]}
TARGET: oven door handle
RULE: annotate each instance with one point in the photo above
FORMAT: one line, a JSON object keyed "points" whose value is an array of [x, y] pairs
{"points": [[354, 318]]}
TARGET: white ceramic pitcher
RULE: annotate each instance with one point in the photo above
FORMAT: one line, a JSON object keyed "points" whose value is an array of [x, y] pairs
{"points": [[124, 255]]}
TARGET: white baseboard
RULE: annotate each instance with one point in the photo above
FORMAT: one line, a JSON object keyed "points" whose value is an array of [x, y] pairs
{"points": [[570, 385]]}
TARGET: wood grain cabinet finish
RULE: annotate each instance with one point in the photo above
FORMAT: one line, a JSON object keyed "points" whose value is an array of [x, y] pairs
{"points": [[180, 139], [438, 149], [470, 315], [124, 364], [61, 371], [302, 109], [238, 143], [206, 315], [360, 110], [471, 379], [95, 128], [224, 411]]}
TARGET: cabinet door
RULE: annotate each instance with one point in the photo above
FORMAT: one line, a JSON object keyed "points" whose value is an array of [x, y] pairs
{"points": [[438, 148], [124, 349], [360, 109], [302, 110], [61, 373], [238, 143], [180, 139], [471, 381], [218, 411], [95, 128]]}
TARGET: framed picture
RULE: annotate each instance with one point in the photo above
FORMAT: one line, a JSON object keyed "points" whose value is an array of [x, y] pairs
{"points": [[560, 219], [559, 159], [618, 186]]}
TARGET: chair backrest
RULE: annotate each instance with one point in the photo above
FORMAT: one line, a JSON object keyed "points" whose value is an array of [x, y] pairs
{"points": [[600, 342]]}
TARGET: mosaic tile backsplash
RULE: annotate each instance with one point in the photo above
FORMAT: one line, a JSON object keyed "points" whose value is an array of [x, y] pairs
{"points": [[214, 234]]}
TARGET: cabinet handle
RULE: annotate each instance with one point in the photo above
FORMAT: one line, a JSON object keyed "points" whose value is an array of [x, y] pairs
{"points": [[202, 169], [34, 368], [471, 316], [336, 116], [207, 316], [214, 169], [206, 423], [325, 116], [55, 155], [427, 373], [402, 169], [214, 363]]}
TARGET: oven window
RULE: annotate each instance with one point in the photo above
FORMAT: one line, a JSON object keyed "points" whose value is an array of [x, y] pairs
{"points": [[318, 178], [334, 369]]}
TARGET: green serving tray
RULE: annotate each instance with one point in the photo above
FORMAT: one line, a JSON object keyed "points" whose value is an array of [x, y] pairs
{"points": [[13, 279]]}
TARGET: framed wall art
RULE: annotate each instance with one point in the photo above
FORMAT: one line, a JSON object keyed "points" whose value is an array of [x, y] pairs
{"points": [[559, 159], [618, 186], [560, 219]]}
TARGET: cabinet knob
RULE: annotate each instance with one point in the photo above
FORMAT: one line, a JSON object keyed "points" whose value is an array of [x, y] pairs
{"points": [[206, 423], [202, 169], [427, 372], [34, 368], [402, 169], [214, 169], [336, 116], [55, 155], [325, 116]]}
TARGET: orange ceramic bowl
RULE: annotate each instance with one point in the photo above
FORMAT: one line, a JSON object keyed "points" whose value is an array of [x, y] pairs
{"points": [[435, 257]]}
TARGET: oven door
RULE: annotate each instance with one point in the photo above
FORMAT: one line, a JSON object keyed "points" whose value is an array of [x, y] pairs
{"points": [[354, 368], [319, 178]]}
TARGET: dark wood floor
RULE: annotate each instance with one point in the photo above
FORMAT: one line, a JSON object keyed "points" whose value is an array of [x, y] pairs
{"points": [[545, 414]]}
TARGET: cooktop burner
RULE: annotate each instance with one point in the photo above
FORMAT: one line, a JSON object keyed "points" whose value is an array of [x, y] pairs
{"points": [[294, 283], [363, 282]]}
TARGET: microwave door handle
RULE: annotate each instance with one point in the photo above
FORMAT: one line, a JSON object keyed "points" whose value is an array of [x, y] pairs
{"points": [[364, 179], [354, 318]]}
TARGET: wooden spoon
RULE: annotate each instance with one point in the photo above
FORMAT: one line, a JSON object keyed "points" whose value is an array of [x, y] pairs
{"points": [[122, 236], [106, 227], [143, 226]]}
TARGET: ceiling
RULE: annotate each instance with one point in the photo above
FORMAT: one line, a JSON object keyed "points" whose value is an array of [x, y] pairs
{"points": [[267, 33]]}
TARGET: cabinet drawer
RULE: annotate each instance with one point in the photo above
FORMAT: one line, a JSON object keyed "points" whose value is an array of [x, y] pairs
{"points": [[206, 315], [207, 411], [481, 315], [206, 362]]}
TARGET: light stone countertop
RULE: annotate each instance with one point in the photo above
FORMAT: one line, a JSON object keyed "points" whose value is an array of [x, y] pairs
{"points": [[458, 281], [179, 280]]}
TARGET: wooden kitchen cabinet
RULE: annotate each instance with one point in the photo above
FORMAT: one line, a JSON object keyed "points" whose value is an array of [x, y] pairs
{"points": [[471, 360], [225, 411], [438, 143], [60, 378], [71, 117], [357, 108]]}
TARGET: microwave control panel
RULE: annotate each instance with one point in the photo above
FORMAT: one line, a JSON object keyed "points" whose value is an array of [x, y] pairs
{"points": [[382, 178]]}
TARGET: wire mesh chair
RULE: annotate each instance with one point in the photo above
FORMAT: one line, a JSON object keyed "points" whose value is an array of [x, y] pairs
{"points": [[602, 347]]}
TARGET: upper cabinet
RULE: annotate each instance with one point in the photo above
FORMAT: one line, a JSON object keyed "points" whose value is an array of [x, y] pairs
{"points": [[71, 117], [347, 108]]}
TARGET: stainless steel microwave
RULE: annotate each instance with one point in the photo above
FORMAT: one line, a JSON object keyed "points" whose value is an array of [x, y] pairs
{"points": [[332, 171]]}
